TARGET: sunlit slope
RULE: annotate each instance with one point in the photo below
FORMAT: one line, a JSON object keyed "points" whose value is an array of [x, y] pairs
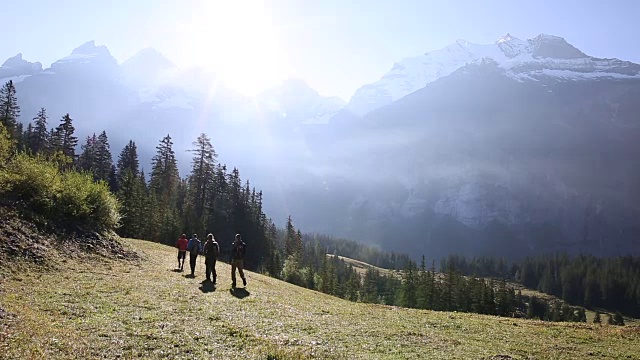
{"points": [[105, 309]]}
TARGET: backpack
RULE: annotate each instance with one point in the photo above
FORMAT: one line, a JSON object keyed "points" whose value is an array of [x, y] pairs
{"points": [[195, 247], [212, 249], [240, 250]]}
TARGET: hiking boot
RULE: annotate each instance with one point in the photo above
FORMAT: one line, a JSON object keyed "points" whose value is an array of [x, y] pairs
{"points": [[244, 281]]}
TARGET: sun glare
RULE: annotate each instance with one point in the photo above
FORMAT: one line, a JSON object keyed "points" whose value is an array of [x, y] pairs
{"points": [[236, 40]]}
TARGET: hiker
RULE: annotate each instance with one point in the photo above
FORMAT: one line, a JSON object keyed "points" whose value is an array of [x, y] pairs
{"points": [[211, 251], [237, 260], [194, 247], [182, 250]]}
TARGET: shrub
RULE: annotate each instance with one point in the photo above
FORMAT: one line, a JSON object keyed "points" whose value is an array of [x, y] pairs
{"points": [[291, 271], [6, 145], [69, 198]]}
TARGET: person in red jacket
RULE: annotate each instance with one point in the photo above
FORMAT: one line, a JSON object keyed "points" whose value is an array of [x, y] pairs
{"points": [[182, 250]]}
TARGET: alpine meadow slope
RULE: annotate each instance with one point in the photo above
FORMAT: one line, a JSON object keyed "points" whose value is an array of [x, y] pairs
{"points": [[141, 308]]}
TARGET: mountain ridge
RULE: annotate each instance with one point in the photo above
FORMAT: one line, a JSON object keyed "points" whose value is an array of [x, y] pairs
{"points": [[539, 57]]}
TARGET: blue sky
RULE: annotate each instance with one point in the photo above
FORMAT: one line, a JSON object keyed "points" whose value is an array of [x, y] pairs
{"points": [[335, 45]]}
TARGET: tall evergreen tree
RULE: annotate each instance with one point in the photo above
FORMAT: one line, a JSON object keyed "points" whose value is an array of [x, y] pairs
{"points": [[64, 137], [132, 197], [9, 108], [39, 140], [128, 160], [163, 185], [201, 181], [293, 242], [87, 159], [103, 158]]}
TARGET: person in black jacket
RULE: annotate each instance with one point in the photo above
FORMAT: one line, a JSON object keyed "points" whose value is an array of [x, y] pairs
{"points": [[237, 260], [211, 251]]}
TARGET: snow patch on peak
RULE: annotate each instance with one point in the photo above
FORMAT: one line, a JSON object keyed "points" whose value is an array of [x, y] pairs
{"points": [[521, 59], [506, 38]]}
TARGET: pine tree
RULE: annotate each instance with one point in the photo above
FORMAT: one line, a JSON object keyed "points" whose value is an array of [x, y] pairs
{"points": [[55, 140], [164, 172], [582, 315], [163, 185], [9, 109], [596, 318], [292, 247], [39, 140], [64, 137], [421, 300], [128, 160], [132, 197], [87, 159], [408, 296], [103, 158], [200, 181], [112, 181], [618, 319]]}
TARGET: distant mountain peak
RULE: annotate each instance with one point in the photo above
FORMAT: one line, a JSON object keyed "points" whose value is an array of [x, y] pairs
{"points": [[151, 56], [508, 37], [87, 55], [544, 56], [16, 66], [14, 59], [90, 48]]}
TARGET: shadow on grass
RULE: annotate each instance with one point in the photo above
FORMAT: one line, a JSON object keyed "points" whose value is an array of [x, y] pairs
{"points": [[240, 293], [189, 276], [176, 270], [207, 287]]}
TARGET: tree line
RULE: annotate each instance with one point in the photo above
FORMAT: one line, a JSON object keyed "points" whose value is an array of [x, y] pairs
{"points": [[595, 283], [308, 264]]}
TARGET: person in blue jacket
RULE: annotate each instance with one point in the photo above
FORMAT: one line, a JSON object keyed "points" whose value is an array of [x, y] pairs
{"points": [[194, 248]]}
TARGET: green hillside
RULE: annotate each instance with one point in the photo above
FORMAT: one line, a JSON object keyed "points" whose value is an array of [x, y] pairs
{"points": [[94, 307]]}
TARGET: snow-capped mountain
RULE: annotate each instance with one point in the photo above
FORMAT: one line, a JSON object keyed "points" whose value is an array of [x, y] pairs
{"points": [[542, 57]]}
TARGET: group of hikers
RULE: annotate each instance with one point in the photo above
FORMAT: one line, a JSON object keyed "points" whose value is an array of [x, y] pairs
{"points": [[211, 249]]}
